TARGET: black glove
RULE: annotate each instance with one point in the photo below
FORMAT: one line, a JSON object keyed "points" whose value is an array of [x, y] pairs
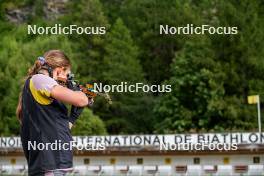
{"points": [[75, 113], [73, 86]]}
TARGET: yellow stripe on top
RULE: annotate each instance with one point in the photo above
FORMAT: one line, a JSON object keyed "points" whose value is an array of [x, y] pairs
{"points": [[41, 96]]}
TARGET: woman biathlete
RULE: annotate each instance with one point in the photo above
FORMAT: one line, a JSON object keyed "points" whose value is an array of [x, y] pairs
{"points": [[43, 116]]}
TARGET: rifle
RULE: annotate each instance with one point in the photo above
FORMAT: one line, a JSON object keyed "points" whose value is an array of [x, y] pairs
{"points": [[86, 88]]}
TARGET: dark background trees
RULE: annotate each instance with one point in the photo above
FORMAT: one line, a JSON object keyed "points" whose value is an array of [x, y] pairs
{"points": [[211, 75]]}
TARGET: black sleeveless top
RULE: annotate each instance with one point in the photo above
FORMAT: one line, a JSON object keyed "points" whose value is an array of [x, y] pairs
{"points": [[43, 124]]}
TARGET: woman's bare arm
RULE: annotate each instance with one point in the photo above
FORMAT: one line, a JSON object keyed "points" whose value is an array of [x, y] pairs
{"points": [[76, 98]]}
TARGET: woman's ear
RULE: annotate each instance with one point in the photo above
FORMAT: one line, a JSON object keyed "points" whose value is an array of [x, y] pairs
{"points": [[59, 70], [56, 73]]}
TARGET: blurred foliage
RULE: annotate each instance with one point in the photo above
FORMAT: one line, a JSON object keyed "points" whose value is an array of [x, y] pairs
{"points": [[88, 124], [121, 64], [211, 75]]}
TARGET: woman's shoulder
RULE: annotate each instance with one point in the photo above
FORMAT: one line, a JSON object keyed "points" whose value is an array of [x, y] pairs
{"points": [[41, 81], [41, 76]]}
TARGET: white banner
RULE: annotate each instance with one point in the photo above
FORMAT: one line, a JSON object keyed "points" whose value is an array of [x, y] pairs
{"points": [[154, 140]]}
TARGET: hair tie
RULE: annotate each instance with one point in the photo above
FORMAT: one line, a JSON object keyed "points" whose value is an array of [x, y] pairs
{"points": [[42, 60]]}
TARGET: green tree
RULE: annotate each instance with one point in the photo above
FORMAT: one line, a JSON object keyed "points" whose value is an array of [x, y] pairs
{"points": [[88, 47], [88, 124], [144, 18], [195, 87], [213, 95], [121, 64]]}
